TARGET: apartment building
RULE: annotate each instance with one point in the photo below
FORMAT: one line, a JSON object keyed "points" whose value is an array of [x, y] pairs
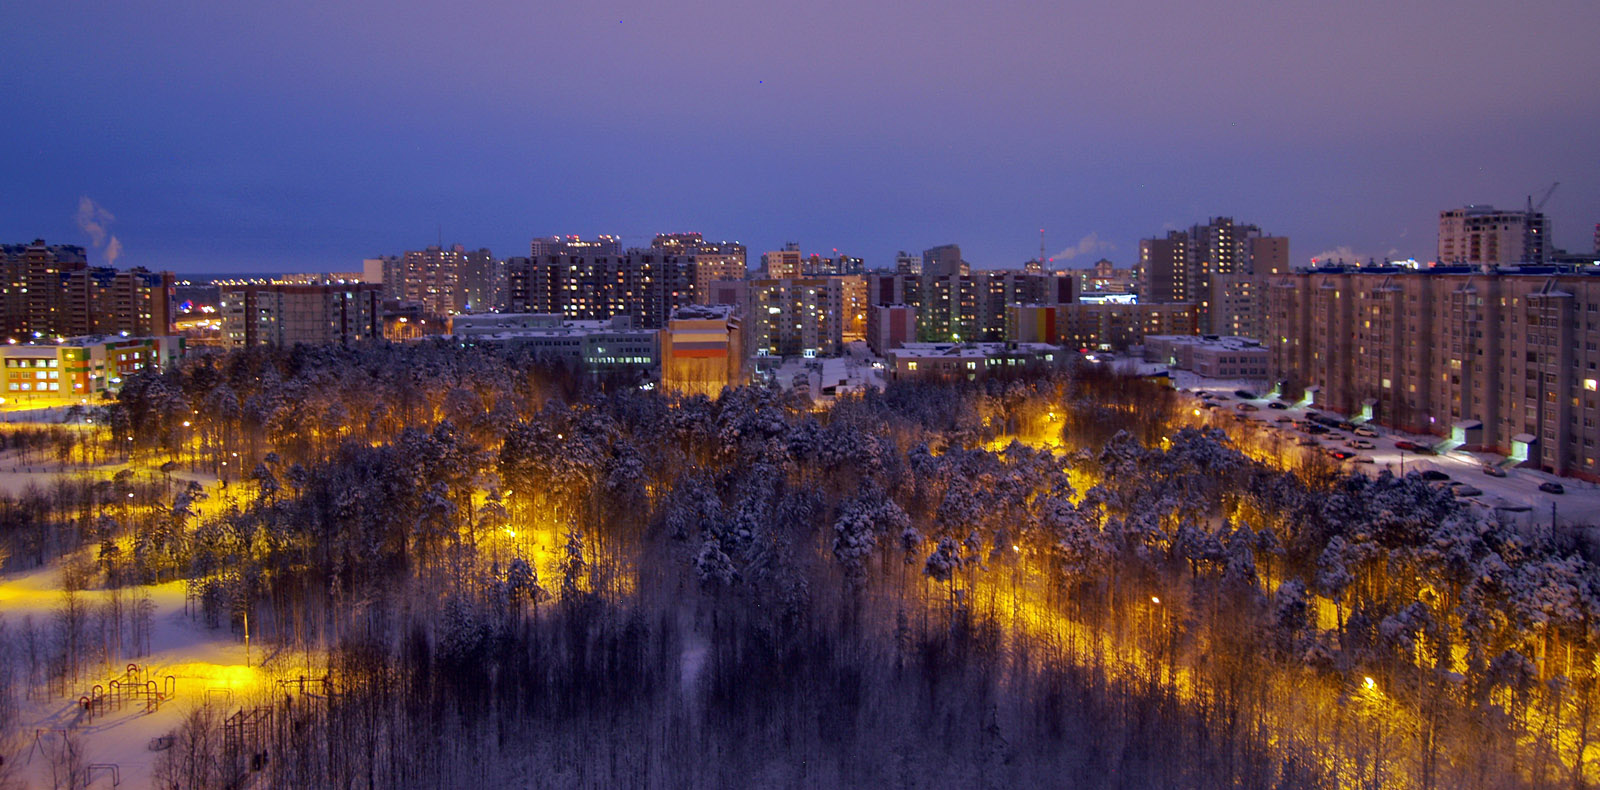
{"points": [[645, 284], [1504, 360], [283, 314], [802, 316], [972, 307], [1098, 326], [51, 291], [1481, 235]]}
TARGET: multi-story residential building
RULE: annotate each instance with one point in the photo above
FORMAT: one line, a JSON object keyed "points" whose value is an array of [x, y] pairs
{"points": [[33, 298], [944, 261], [702, 350], [575, 245], [817, 266], [51, 291], [481, 282], [890, 326], [1106, 278], [971, 307], [1480, 235], [281, 314], [1218, 262], [644, 284], [447, 281], [1209, 355], [80, 367], [797, 316], [782, 264], [385, 271], [1503, 360], [711, 261], [911, 263], [1100, 326]]}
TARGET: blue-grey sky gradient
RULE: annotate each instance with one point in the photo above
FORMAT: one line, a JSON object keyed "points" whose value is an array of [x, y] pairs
{"points": [[297, 136]]}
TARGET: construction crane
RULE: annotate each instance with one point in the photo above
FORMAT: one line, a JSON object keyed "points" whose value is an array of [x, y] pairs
{"points": [[1528, 230]]}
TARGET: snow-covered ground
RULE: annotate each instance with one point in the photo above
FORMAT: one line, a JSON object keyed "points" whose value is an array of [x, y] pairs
{"points": [[205, 666], [857, 370]]}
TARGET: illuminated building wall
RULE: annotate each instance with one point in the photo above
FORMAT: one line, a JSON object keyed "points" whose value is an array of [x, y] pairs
{"points": [[702, 351]]}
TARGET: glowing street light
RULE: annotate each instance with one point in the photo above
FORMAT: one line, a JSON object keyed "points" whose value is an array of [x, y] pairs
{"points": [[1155, 600]]}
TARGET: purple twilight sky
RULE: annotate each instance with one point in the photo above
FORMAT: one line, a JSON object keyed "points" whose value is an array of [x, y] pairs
{"points": [[296, 136]]}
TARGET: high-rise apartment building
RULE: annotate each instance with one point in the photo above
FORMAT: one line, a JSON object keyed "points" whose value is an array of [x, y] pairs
{"points": [[968, 307], [1505, 360], [802, 316], [50, 290], [575, 245], [1218, 267], [711, 261], [782, 264], [1483, 236], [911, 263], [1098, 326], [282, 314], [643, 283], [944, 261]]}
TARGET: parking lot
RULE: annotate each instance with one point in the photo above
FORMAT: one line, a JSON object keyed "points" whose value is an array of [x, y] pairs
{"points": [[1516, 494]]}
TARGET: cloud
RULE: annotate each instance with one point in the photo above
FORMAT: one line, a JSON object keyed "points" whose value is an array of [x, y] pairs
{"points": [[1088, 245], [93, 220]]}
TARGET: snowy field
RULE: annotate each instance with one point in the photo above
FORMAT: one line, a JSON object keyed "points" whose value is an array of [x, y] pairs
{"points": [[191, 665]]}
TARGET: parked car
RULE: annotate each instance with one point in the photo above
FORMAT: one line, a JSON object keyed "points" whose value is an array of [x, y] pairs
{"points": [[1493, 471], [1365, 431], [1365, 459], [1284, 419], [1277, 405], [1315, 429], [1247, 407], [1361, 444], [1334, 437], [1309, 443], [1405, 445], [1464, 490], [1341, 454], [1553, 488], [1434, 474], [1246, 394]]}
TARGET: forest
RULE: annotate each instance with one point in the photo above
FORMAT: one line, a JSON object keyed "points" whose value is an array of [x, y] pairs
{"points": [[507, 574]]}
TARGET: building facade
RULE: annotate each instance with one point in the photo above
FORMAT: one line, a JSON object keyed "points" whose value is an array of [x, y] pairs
{"points": [[1505, 360], [1098, 326], [702, 351], [281, 314], [1218, 267], [646, 285], [81, 367], [51, 291], [802, 316], [1480, 235]]}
